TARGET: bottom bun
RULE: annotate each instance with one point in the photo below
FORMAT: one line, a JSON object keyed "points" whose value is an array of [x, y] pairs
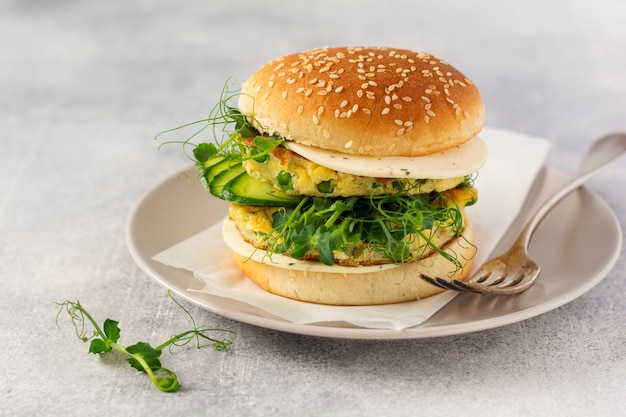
{"points": [[388, 286]]}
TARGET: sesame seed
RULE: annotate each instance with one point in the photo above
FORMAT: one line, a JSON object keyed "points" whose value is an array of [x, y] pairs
{"points": [[308, 92], [397, 106], [320, 110], [316, 120], [385, 110], [339, 89], [359, 93], [348, 144], [284, 94], [271, 84], [398, 122], [370, 95], [364, 85], [426, 119], [337, 113], [430, 113], [400, 131], [344, 103], [300, 109], [407, 98], [322, 92], [326, 133], [366, 111], [387, 99], [355, 108]]}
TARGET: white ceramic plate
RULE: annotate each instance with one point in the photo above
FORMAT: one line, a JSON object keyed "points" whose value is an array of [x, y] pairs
{"points": [[576, 246]]}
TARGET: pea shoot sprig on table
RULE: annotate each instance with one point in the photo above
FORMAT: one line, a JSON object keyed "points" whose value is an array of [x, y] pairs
{"points": [[141, 356]]}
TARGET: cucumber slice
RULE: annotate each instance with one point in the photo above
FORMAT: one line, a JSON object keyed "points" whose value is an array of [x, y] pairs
{"points": [[245, 189], [221, 179], [227, 179], [213, 167]]}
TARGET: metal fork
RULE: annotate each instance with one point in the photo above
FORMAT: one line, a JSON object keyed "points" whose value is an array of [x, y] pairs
{"points": [[514, 271]]}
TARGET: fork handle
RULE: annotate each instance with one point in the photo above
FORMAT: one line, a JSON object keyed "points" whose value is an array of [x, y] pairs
{"points": [[599, 156]]}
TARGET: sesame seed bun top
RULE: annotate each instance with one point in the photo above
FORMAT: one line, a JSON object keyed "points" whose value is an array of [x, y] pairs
{"points": [[364, 100]]}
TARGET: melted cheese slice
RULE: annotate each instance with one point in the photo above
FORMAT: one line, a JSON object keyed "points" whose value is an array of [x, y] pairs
{"points": [[233, 239], [452, 163]]}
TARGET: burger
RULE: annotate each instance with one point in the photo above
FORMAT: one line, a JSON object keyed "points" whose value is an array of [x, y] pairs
{"points": [[348, 171]]}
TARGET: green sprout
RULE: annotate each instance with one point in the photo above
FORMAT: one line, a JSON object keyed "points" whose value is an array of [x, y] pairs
{"points": [[141, 356]]}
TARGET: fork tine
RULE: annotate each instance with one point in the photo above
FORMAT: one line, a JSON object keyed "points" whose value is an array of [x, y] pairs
{"points": [[465, 286], [433, 281], [454, 285]]}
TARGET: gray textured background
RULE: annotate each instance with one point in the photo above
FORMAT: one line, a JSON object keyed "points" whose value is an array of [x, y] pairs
{"points": [[85, 85]]}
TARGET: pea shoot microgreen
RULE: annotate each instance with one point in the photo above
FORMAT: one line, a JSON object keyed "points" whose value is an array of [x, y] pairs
{"points": [[141, 356]]}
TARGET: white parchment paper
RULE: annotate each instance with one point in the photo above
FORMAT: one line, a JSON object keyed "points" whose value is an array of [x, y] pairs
{"points": [[514, 161]]}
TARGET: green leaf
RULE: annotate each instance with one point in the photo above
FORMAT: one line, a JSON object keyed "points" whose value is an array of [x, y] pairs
{"points": [[241, 122], [204, 151], [144, 349], [322, 245], [266, 143], [147, 352], [302, 241], [336, 238], [98, 346], [112, 330]]}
